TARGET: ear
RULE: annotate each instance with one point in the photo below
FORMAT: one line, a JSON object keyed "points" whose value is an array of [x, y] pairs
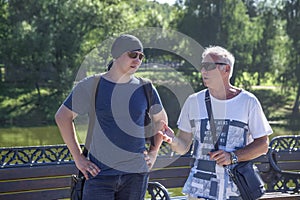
{"points": [[227, 68]]}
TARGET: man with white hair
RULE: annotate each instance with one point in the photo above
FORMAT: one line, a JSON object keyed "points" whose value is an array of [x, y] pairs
{"points": [[241, 129]]}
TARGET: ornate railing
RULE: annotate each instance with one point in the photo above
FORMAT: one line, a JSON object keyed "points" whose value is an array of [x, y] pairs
{"points": [[285, 150], [284, 157], [286, 143], [44, 155], [34, 155]]}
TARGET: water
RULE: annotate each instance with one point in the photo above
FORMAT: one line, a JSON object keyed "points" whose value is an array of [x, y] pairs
{"points": [[29, 136], [49, 135]]}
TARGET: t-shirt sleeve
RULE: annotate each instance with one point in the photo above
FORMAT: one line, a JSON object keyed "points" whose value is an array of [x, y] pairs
{"points": [[79, 100], [258, 123], [184, 119]]}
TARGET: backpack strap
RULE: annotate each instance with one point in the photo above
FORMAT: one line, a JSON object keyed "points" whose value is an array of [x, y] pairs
{"points": [[147, 85], [92, 114]]}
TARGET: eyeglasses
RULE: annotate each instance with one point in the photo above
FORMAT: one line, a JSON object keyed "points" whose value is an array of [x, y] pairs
{"points": [[208, 66], [135, 54]]}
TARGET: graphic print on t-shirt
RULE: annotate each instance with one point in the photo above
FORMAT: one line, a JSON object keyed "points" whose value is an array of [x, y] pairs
{"points": [[230, 134], [207, 179]]}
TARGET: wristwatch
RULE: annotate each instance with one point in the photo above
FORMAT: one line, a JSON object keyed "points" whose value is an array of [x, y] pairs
{"points": [[234, 158]]}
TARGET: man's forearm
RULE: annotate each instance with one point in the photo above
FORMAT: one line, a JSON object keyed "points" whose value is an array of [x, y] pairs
{"points": [[66, 127], [179, 146], [253, 150], [152, 153], [159, 120], [69, 136]]}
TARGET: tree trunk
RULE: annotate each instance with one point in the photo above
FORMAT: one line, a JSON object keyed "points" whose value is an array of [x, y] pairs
{"points": [[39, 92], [296, 104]]}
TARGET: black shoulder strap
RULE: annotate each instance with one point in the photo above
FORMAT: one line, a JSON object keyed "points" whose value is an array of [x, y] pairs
{"points": [[147, 85], [92, 115], [211, 120]]}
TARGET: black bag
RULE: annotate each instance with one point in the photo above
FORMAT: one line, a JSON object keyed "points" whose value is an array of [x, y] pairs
{"points": [[77, 187], [246, 177], [77, 182]]}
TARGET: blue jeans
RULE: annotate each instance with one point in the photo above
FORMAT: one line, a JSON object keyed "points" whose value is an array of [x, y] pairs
{"points": [[117, 187]]}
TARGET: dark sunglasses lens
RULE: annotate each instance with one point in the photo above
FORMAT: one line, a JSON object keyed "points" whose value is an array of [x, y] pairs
{"points": [[141, 56], [132, 54], [135, 55], [208, 66]]}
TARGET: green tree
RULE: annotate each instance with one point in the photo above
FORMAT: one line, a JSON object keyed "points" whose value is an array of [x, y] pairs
{"points": [[3, 19], [44, 42], [226, 23], [240, 34], [291, 14], [264, 54]]}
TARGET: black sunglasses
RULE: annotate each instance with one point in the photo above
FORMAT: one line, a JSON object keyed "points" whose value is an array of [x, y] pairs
{"points": [[135, 54], [208, 66]]}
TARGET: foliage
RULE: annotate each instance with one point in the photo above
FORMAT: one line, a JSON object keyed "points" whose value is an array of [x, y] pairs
{"points": [[43, 43], [291, 14], [270, 107], [222, 23], [3, 19]]}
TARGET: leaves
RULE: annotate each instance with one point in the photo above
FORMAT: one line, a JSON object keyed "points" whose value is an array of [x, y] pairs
{"points": [[44, 42]]}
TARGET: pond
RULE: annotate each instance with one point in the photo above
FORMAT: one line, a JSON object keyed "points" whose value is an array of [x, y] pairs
{"points": [[29, 136], [49, 135]]}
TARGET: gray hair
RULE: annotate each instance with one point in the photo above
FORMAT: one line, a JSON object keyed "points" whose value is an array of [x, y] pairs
{"points": [[223, 54]]}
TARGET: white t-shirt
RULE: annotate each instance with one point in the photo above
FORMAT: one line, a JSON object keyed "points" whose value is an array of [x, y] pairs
{"points": [[238, 121]]}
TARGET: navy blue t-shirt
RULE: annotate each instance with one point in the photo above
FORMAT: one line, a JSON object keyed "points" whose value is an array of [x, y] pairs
{"points": [[120, 112]]}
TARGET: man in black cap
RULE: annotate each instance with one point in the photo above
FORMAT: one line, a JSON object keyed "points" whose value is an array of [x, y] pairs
{"points": [[118, 163]]}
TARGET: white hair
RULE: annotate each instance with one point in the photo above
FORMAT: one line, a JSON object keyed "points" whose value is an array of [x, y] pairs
{"points": [[223, 54]]}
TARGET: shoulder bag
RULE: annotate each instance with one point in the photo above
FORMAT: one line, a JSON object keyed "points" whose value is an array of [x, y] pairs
{"points": [[245, 174], [77, 183]]}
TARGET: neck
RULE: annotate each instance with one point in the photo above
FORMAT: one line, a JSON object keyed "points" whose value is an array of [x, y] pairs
{"points": [[117, 77], [224, 92]]}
